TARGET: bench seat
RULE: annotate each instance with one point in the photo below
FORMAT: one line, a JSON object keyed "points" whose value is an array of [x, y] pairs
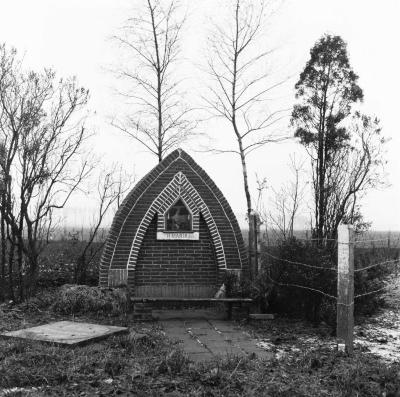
{"points": [[229, 302], [145, 299]]}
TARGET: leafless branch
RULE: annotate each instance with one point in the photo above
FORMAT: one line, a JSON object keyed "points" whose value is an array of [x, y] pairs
{"points": [[161, 120]]}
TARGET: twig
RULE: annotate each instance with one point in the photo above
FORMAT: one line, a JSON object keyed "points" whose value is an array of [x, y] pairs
{"points": [[237, 366]]}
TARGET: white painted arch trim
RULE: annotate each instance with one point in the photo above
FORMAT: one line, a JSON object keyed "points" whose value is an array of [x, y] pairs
{"points": [[179, 186]]}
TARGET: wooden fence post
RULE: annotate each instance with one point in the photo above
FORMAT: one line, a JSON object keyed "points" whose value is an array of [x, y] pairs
{"points": [[254, 244], [345, 288]]}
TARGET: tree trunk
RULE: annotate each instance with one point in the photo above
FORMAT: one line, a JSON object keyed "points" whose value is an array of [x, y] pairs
{"points": [[321, 189], [159, 83], [81, 270], [20, 262], [251, 236], [3, 250], [10, 266], [245, 182], [33, 273]]}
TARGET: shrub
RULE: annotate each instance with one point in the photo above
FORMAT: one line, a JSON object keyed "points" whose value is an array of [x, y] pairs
{"points": [[285, 277], [173, 363], [42, 300], [374, 278], [58, 263], [80, 299], [286, 297]]}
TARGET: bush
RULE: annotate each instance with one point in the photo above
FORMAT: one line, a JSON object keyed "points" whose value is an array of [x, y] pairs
{"points": [[374, 278], [81, 299], [58, 263], [286, 297]]}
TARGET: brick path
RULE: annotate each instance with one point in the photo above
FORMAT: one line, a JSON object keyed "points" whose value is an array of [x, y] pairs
{"points": [[203, 339]]}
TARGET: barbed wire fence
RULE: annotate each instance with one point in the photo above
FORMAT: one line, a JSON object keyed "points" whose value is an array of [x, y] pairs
{"points": [[345, 296]]}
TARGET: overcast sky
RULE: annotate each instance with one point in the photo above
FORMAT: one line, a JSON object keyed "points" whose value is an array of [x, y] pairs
{"points": [[72, 36]]}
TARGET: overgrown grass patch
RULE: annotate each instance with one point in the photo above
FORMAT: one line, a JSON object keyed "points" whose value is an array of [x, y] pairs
{"points": [[28, 363], [82, 299], [152, 365]]}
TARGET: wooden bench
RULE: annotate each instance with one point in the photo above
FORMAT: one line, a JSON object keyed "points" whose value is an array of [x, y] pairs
{"points": [[229, 302]]}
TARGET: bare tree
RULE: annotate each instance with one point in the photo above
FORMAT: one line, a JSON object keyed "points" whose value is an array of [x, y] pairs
{"points": [[241, 82], [112, 184], [42, 139], [159, 120], [356, 169], [3, 236], [287, 202]]}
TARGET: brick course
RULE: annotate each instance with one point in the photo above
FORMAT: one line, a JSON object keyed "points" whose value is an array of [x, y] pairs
{"points": [[190, 262]]}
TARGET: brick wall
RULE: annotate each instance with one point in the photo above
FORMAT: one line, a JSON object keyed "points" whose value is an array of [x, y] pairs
{"points": [[170, 266], [126, 225]]}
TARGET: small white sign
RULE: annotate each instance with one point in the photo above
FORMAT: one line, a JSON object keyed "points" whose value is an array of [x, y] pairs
{"points": [[177, 235]]}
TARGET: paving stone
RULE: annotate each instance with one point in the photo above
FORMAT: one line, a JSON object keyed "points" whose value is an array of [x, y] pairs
{"points": [[230, 340], [199, 333], [175, 330], [209, 333], [238, 337], [198, 325], [224, 326], [188, 314], [173, 323]]}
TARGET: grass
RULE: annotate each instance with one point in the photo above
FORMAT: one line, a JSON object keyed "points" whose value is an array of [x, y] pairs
{"points": [[155, 366]]}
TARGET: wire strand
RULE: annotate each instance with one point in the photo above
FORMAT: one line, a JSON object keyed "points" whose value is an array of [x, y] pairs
{"points": [[315, 239], [393, 261], [371, 292], [302, 287], [300, 263], [345, 304], [371, 241]]}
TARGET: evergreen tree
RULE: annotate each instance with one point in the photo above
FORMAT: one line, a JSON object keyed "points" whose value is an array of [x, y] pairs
{"points": [[326, 92]]}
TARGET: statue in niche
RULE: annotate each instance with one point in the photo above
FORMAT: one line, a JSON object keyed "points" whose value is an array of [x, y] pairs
{"points": [[178, 218]]}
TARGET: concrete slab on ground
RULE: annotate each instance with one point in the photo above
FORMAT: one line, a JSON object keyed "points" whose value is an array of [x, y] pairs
{"points": [[67, 332]]}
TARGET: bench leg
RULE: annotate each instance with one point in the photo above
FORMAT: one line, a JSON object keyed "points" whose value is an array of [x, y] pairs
{"points": [[247, 310], [142, 311], [229, 310], [239, 311]]}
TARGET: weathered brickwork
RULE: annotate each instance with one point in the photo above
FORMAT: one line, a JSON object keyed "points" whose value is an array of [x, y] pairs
{"points": [[177, 175], [190, 262]]}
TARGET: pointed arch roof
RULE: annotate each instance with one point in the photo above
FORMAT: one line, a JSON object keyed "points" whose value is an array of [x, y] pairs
{"points": [[140, 205]]}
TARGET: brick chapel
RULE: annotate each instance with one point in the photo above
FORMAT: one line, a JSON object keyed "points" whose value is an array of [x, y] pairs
{"points": [[174, 235]]}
